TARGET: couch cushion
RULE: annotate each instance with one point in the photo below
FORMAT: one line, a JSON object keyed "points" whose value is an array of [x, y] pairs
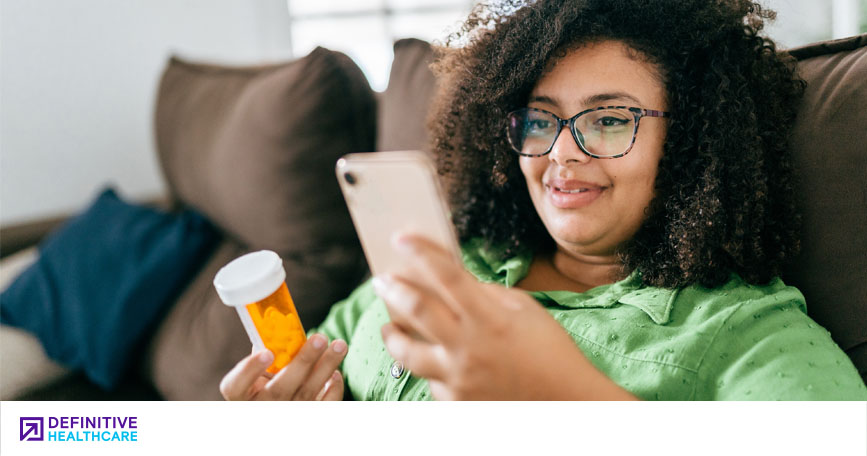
{"points": [[103, 281], [403, 107], [254, 148], [828, 143], [199, 340]]}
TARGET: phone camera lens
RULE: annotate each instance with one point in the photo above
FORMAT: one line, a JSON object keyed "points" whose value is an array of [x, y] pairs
{"points": [[350, 178]]}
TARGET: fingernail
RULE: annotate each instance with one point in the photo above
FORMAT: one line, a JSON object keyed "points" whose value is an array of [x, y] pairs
{"points": [[317, 341], [378, 284], [266, 357], [339, 346]]}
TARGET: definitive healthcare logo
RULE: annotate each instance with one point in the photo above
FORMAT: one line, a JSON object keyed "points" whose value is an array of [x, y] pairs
{"points": [[31, 428], [79, 429]]}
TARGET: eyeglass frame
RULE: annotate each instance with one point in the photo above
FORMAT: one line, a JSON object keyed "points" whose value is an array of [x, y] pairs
{"points": [[638, 113]]}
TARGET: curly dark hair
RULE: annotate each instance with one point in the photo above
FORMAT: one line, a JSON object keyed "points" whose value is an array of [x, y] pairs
{"points": [[724, 191]]}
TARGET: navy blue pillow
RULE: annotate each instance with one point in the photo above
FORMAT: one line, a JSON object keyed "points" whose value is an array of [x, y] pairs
{"points": [[103, 281]]}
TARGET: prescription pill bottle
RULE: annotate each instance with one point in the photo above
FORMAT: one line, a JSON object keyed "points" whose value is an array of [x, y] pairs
{"points": [[254, 284]]}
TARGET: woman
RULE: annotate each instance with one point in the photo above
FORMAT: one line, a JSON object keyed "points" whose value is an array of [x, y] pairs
{"points": [[601, 260]]}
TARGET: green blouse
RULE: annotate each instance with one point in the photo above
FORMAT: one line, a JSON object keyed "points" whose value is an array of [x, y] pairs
{"points": [[734, 342]]}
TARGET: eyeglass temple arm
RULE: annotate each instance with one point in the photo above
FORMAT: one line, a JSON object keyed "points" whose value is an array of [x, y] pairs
{"points": [[654, 113]]}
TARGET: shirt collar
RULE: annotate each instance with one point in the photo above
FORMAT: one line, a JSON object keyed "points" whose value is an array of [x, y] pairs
{"points": [[487, 265], [655, 302], [486, 262]]}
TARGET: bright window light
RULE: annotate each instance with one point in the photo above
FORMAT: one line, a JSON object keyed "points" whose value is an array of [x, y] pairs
{"points": [[365, 30]]}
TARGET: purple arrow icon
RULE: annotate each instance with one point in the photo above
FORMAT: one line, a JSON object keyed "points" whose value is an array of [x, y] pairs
{"points": [[31, 428]]}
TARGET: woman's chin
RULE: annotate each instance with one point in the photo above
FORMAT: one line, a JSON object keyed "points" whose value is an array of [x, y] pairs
{"points": [[575, 239]]}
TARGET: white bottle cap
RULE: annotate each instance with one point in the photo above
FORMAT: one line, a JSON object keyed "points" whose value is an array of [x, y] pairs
{"points": [[250, 278]]}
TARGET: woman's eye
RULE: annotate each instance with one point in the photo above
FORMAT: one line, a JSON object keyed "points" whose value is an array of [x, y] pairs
{"points": [[537, 125], [611, 122]]}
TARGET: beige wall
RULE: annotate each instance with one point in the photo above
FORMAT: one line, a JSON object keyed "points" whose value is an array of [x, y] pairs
{"points": [[77, 84]]}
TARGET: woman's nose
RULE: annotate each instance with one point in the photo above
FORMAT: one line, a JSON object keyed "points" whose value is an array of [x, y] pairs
{"points": [[566, 150]]}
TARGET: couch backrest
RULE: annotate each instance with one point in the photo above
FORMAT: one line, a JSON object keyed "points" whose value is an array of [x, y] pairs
{"points": [[403, 107], [829, 143]]}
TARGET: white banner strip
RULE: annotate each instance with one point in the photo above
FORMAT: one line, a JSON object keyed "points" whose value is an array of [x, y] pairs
{"points": [[217, 428]]}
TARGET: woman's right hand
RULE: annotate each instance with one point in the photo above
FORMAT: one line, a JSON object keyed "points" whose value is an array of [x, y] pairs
{"points": [[311, 375]]}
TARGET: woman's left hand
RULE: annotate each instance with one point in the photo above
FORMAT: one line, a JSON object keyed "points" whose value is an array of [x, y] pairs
{"points": [[479, 341]]}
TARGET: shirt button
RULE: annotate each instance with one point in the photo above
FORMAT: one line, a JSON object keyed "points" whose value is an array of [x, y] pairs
{"points": [[397, 369]]}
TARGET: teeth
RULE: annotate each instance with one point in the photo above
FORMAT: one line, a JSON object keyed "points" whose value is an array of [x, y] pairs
{"points": [[580, 190]]}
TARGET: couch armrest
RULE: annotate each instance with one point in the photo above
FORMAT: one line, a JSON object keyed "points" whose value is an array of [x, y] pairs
{"points": [[17, 237]]}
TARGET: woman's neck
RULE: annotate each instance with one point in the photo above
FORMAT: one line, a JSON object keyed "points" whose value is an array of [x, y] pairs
{"points": [[591, 271], [563, 270]]}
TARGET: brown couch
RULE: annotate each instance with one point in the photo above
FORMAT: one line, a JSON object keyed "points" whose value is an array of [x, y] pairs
{"points": [[238, 144]]}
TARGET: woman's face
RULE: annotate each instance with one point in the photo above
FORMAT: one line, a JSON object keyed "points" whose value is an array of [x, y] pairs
{"points": [[591, 206]]}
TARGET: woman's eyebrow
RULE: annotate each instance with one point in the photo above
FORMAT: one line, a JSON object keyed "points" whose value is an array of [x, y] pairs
{"points": [[604, 97], [596, 99], [543, 99]]}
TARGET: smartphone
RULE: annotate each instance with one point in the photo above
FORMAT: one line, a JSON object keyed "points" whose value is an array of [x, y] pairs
{"points": [[390, 192]]}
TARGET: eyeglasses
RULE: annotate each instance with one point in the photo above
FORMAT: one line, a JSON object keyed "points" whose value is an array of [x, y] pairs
{"points": [[606, 132]]}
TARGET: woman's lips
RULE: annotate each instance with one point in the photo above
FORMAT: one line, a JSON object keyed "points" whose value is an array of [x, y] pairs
{"points": [[567, 194]]}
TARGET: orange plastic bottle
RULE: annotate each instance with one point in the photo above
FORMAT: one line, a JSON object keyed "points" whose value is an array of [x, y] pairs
{"points": [[255, 285]]}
